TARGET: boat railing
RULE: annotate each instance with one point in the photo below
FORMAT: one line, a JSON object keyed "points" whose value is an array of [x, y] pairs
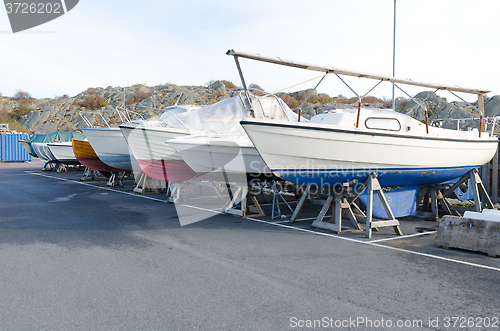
{"points": [[178, 119], [129, 115], [100, 113], [163, 112], [257, 98], [493, 121], [326, 70]]}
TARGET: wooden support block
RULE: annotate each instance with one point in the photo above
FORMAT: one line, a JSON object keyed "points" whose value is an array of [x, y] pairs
{"points": [[340, 203], [374, 185], [241, 197], [300, 204]]}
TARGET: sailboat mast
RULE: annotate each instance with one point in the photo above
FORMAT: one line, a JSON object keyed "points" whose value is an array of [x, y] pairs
{"points": [[480, 103]]}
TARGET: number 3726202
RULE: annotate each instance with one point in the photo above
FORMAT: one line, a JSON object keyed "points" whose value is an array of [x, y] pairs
{"points": [[464, 322], [33, 8]]}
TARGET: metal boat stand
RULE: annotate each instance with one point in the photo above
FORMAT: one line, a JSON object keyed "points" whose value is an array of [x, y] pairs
{"points": [[174, 191], [48, 166], [116, 179], [61, 167], [90, 175], [275, 207], [148, 185], [238, 204]]}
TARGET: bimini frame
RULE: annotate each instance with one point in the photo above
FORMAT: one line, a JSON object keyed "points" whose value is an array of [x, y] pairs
{"points": [[338, 72]]}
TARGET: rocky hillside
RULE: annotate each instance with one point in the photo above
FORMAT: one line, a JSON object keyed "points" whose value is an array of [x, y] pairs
{"points": [[63, 113]]}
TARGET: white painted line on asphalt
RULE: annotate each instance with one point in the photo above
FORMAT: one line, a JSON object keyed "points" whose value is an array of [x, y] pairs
{"points": [[280, 224], [378, 245], [103, 188], [403, 237]]}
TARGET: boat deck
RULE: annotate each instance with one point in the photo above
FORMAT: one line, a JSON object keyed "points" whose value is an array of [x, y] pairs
{"points": [[124, 259]]}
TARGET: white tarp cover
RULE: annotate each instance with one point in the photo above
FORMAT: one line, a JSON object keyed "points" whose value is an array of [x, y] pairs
{"points": [[224, 116]]}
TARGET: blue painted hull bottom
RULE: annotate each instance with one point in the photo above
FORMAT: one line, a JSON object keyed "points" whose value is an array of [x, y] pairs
{"points": [[333, 178], [117, 161]]}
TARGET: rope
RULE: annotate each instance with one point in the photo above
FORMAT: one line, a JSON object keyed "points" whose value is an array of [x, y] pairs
{"points": [[289, 87]]}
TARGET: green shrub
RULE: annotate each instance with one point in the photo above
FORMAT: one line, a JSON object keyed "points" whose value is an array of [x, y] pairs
{"points": [[20, 111], [23, 99], [137, 97], [93, 102]]}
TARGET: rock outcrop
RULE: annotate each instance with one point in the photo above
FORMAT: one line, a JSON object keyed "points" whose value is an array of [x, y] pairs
{"points": [[64, 113]]}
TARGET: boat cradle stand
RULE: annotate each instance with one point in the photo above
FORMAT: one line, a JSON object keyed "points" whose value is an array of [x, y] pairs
{"points": [[340, 202], [90, 175], [116, 179], [435, 195], [148, 185], [238, 203], [175, 190], [49, 166]]}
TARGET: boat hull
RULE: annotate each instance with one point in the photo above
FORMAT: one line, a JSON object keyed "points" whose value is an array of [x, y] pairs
{"points": [[27, 147], [111, 147], [63, 152], [86, 155], [305, 153], [43, 152], [233, 156], [155, 158]]}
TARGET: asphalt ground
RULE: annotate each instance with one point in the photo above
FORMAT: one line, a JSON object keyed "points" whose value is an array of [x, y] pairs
{"points": [[82, 256]]}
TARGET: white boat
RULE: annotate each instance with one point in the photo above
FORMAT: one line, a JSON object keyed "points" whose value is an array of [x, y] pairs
{"points": [[146, 141], [214, 154], [161, 161], [223, 146], [345, 145], [329, 150], [63, 152], [111, 147], [109, 143], [43, 152]]}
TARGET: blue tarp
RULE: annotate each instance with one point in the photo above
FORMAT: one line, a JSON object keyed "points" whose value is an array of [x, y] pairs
{"points": [[402, 200]]}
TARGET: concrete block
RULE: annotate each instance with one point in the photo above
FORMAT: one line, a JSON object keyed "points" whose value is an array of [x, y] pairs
{"points": [[477, 235]]}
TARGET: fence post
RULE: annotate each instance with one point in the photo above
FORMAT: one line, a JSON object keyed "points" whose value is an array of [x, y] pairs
{"points": [[494, 179], [485, 177]]}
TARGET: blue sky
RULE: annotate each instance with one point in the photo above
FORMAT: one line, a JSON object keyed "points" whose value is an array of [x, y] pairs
{"points": [[121, 43]]}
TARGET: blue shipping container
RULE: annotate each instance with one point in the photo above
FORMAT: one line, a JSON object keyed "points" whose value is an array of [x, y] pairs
{"points": [[10, 148]]}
